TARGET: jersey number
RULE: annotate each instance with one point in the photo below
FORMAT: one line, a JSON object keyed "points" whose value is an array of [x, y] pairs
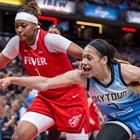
{"points": [[114, 104]]}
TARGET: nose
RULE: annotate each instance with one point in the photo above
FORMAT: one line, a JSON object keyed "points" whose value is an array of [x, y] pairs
{"points": [[83, 61], [19, 30]]}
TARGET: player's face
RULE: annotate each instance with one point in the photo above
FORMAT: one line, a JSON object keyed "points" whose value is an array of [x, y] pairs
{"points": [[54, 31], [92, 63], [26, 31]]}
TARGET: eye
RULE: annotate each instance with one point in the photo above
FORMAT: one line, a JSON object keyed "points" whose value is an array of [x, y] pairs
{"points": [[23, 25], [89, 58]]}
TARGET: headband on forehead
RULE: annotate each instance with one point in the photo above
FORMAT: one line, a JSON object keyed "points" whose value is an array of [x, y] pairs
{"points": [[99, 47], [26, 16]]}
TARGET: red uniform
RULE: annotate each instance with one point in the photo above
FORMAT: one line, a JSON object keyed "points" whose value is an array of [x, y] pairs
{"points": [[68, 105], [94, 116]]}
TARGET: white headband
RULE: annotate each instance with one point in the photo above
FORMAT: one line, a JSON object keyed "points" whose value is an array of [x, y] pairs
{"points": [[26, 16]]}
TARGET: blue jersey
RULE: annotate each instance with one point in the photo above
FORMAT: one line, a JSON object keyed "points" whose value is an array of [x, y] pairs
{"points": [[116, 100], [30, 97]]}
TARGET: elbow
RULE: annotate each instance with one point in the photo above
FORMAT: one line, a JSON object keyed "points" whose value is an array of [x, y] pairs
{"points": [[42, 87]]}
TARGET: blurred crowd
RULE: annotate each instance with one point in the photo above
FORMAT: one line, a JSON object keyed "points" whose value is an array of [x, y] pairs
{"points": [[125, 4]]}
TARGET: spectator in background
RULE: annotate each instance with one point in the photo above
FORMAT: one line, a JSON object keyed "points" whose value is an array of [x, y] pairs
{"points": [[10, 119], [1, 106], [8, 123], [8, 98], [56, 29]]}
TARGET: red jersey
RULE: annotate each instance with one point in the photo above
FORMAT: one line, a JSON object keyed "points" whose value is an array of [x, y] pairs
{"points": [[44, 63], [68, 105]]}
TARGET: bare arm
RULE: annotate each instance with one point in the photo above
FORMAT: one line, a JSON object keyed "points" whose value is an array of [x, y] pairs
{"points": [[25, 94], [75, 51], [43, 83], [130, 73], [3, 61]]}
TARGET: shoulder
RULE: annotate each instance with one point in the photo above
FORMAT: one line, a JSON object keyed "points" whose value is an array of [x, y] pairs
{"points": [[53, 37], [14, 40], [130, 72], [50, 36], [127, 68], [56, 42], [12, 48], [78, 76]]}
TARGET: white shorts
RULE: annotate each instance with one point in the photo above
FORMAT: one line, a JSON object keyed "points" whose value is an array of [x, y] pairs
{"points": [[41, 121]]}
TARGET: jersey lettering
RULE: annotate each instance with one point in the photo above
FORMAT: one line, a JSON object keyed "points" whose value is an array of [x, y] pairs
{"points": [[109, 97], [35, 61]]}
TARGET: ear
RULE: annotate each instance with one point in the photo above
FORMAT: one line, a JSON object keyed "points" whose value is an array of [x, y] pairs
{"points": [[104, 60]]}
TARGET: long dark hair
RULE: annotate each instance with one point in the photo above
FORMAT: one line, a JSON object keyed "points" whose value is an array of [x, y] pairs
{"points": [[106, 49]]}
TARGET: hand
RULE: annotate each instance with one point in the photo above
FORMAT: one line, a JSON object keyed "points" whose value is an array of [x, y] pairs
{"points": [[13, 118], [5, 82], [92, 122], [81, 71], [77, 63]]}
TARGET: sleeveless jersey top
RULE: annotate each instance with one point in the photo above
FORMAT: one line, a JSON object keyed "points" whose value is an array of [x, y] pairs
{"points": [[44, 63], [116, 100]]}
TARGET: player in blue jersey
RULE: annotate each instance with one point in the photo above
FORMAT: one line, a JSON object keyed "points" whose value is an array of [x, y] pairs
{"points": [[113, 84]]}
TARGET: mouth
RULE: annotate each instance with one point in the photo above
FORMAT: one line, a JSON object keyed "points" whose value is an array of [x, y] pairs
{"points": [[86, 71], [21, 37]]}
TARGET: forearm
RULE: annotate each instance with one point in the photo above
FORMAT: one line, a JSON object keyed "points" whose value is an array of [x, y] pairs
{"points": [[24, 101], [75, 51], [33, 82], [42, 83], [7, 124], [3, 61]]}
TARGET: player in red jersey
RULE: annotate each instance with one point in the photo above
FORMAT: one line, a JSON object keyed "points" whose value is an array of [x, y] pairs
{"points": [[96, 118], [44, 54]]}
